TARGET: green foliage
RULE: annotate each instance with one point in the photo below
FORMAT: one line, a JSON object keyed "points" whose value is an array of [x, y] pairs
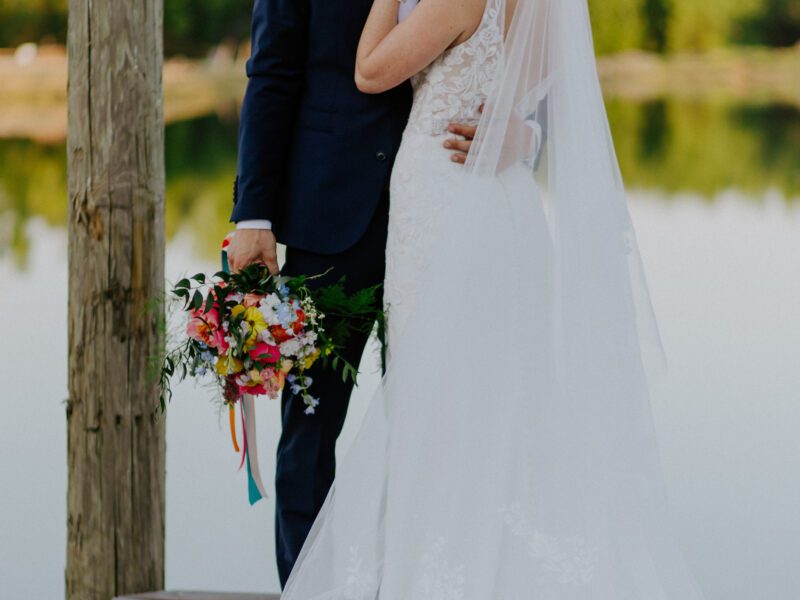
{"points": [[689, 25], [32, 21], [656, 15], [776, 23], [191, 27], [617, 24], [708, 24]]}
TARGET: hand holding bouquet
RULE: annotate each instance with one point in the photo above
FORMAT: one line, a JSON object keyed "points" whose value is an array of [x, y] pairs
{"points": [[255, 332]]}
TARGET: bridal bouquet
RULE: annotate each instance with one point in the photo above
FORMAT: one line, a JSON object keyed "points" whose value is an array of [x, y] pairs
{"points": [[254, 333]]}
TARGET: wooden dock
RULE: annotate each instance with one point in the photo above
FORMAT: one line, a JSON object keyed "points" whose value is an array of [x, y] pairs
{"points": [[186, 595]]}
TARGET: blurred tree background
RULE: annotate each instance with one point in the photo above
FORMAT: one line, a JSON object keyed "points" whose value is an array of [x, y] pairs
{"points": [[192, 27]]}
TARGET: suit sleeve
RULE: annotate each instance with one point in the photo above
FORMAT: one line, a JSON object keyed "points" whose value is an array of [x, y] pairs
{"points": [[275, 74]]}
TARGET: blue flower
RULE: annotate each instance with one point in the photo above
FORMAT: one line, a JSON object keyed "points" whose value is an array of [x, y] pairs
{"points": [[285, 315]]}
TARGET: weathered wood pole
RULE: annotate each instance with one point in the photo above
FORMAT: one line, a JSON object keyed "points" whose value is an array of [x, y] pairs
{"points": [[115, 444]]}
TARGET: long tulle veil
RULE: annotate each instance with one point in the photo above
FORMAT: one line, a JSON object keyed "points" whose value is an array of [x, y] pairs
{"points": [[547, 110], [509, 451]]}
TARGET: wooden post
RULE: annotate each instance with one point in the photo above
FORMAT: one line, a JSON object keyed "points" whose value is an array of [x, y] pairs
{"points": [[115, 527]]}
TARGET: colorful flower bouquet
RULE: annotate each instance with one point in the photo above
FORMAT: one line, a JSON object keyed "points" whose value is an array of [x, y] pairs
{"points": [[255, 333]]}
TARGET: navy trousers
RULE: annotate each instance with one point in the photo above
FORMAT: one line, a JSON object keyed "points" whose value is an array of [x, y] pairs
{"points": [[306, 451]]}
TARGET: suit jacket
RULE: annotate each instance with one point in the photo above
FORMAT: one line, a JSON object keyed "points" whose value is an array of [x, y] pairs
{"points": [[314, 153]]}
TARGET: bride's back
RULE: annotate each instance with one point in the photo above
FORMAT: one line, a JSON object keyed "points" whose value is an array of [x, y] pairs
{"points": [[454, 86]]}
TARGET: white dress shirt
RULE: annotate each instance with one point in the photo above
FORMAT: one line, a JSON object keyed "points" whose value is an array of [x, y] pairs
{"points": [[254, 224]]}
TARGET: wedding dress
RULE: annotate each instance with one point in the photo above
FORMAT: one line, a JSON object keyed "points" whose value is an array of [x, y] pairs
{"points": [[509, 452]]}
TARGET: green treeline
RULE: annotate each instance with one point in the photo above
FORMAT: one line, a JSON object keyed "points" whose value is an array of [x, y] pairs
{"points": [[680, 25], [193, 26]]}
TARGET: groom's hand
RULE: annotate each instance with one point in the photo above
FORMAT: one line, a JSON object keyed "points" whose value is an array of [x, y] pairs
{"points": [[460, 146], [250, 246]]}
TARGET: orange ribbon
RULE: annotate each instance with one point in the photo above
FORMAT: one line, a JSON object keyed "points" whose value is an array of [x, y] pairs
{"points": [[232, 419]]}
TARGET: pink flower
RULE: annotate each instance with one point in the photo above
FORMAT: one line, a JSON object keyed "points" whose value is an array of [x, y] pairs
{"points": [[204, 327], [273, 382], [220, 343], [252, 299], [268, 382], [265, 353]]}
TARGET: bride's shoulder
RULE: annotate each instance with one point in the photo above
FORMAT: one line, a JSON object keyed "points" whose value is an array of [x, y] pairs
{"points": [[467, 14], [459, 9]]}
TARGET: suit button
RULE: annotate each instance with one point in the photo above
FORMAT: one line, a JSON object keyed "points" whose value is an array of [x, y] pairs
{"points": [[381, 156]]}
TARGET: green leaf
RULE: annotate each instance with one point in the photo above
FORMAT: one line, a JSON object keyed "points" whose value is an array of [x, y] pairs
{"points": [[209, 303], [197, 299], [183, 283]]}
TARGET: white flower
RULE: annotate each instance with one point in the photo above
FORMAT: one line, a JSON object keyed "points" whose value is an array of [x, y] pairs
{"points": [[266, 337], [291, 347], [267, 308]]}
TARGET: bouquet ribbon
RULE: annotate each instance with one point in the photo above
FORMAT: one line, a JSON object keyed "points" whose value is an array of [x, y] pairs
{"points": [[247, 408]]}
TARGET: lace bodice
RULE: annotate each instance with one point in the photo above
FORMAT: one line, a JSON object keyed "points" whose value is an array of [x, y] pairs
{"points": [[450, 89], [453, 87]]}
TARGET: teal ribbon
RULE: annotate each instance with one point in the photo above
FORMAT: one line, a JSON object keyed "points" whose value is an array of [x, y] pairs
{"points": [[253, 493]]}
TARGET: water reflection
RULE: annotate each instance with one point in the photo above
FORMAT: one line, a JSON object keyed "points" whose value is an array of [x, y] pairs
{"points": [[708, 147], [674, 146]]}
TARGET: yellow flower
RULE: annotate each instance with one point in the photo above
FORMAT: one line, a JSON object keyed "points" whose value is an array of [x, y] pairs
{"points": [[255, 378], [286, 366], [253, 317], [311, 359], [228, 366]]}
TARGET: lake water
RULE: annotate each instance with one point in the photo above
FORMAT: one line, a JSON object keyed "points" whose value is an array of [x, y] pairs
{"points": [[715, 195]]}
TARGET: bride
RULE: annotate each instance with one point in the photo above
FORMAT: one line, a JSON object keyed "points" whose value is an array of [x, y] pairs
{"points": [[509, 451]]}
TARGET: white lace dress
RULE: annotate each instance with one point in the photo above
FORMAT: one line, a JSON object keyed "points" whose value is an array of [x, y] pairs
{"points": [[450, 90]]}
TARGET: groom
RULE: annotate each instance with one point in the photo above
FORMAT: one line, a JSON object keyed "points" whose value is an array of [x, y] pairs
{"points": [[315, 156]]}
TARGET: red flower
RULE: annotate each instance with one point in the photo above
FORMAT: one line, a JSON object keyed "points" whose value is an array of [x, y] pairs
{"points": [[279, 334], [297, 326], [265, 353]]}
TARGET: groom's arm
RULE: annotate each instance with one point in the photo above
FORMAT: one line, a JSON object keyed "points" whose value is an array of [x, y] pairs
{"points": [[276, 76]]}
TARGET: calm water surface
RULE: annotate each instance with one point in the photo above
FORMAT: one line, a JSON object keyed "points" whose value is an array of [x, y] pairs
{"points": [[715, 195]]}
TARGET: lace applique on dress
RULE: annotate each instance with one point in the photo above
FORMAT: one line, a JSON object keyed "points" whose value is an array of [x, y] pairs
{"points": [[453, 87], [572, 560], [439, 579], [361, 583]]}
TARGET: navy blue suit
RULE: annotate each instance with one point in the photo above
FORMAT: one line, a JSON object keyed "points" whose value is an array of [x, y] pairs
{"points": [[315, 156]]}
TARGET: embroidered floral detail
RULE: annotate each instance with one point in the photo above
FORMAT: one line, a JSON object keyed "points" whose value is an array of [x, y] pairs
{"points": [[453, 87], [570, 559], [439, 580], [361, 584]]}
